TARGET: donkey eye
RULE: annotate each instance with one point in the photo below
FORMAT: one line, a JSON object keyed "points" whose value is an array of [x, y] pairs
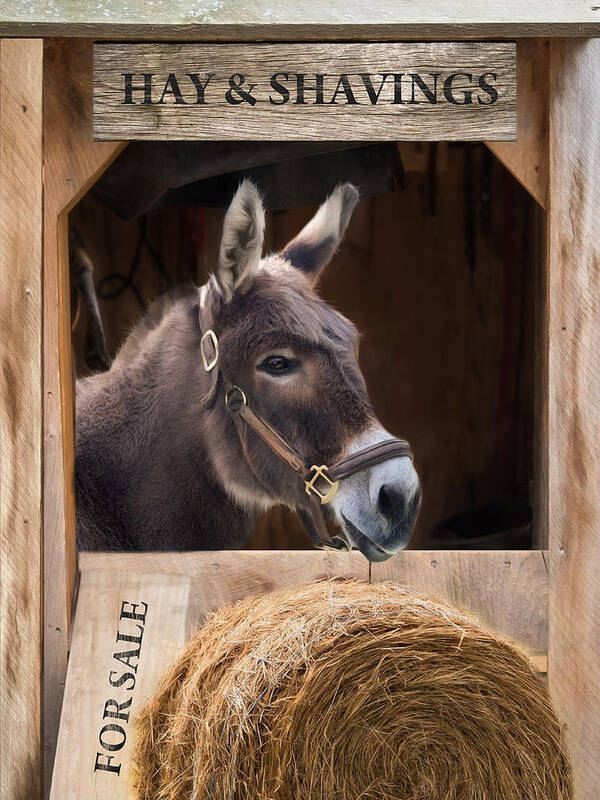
{"points": [[278, 365]]}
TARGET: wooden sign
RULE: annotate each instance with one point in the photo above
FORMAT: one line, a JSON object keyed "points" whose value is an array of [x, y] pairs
{"points": [[381, 91], [128, 629]]}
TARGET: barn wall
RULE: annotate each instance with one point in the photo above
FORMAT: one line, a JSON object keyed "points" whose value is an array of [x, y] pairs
{"points": [[440, 280]]}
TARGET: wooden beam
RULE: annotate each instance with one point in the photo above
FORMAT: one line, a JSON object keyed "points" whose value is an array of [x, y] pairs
{"points": [[288, 20], [527, 158], [21, 417], [505, 589], [574, 392], [72, 162], [540, 496]]}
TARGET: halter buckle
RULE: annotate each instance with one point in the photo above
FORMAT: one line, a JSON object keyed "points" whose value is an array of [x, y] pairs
{"points": [[235, 404], [321, 472], [209, 363]]}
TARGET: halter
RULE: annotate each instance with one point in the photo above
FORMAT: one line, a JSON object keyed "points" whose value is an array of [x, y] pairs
{"points": [[320, 482]]}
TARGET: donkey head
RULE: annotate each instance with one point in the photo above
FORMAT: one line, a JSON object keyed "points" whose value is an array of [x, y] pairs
{"points": [[296, 359]]}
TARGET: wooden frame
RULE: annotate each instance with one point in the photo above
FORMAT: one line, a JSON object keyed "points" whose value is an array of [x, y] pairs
{"points": [[68, 175], [556, 158]]}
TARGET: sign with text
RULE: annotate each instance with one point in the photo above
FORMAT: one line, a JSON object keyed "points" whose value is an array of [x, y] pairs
{"points": [[312, 91], [128, 629]]}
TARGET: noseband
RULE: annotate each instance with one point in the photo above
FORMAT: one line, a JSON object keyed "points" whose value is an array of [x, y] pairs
{"points": [[320, 482]]}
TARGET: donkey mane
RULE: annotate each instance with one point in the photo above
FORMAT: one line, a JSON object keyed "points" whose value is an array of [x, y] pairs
{"points": [[136, 341], [145, 479]]}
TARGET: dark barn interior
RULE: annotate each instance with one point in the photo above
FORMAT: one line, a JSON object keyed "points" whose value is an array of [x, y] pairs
{"points": [[438, 270]]}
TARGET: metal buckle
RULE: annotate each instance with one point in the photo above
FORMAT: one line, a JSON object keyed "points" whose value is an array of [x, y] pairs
{"points": [[209, 363], [242, 398], [321, 472]]}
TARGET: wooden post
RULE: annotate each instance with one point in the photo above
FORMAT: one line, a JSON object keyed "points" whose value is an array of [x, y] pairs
{"points": [[72, 162], [527, 158], [21, 416], [574, 392]]}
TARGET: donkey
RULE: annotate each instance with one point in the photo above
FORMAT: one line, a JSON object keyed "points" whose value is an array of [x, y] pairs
{"points": [[159, 468]]}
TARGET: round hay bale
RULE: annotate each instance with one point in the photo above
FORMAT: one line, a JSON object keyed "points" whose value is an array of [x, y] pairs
{"points": [[341, 691]]}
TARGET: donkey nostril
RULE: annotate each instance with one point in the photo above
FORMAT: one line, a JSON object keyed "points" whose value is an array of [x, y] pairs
{"points": [[391, 502]]}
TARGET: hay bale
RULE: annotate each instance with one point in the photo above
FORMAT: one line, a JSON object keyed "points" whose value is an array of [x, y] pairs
{"points": [[340, 691]]}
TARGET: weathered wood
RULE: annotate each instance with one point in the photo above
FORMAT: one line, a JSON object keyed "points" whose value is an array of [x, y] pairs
{"points": [[527, 158], [105, 605], [574, 390], [507, 590], [463, 91], [72, 161], [540, 494], [21, 417], [288, 20]]}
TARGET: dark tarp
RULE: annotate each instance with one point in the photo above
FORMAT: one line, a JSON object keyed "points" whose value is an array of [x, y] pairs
{"points": [[150, 175]]}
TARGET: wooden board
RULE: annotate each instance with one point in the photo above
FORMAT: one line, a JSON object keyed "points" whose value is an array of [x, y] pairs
{"points": [[396, 91], [21, 417], [288, 20], [540, 494], [527, 158], [574, 403], [72, 161], [128, 629], [506, 590]]}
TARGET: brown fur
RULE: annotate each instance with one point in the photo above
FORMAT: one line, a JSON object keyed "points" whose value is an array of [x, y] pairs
{"points": [[155, 470]]}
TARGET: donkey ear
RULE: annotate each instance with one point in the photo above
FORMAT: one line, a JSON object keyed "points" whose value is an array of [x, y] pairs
{"points": [[316, 243], [242, 240]]}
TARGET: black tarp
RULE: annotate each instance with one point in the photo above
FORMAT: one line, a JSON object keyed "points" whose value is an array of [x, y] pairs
{"points": [[150, 175]]}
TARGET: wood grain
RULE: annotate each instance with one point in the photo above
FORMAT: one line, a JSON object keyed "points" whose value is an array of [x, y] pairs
{"points": [[259, 113], [288, 20], [574, 394], [506, 589], [72, 161], [163, 628], [527, 158], [540, 494], [21, 417]]}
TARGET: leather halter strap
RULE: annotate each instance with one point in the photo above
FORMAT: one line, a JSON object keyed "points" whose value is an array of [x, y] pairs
{"points": [[321, 482]]}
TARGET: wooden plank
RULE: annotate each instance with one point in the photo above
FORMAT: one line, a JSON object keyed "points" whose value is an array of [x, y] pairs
{"points": [[288, 20], [72, 161], [21, 417], [574, 391], [107, 670], [396, 91], [540, 494], [506, 589], [527, 158]]}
